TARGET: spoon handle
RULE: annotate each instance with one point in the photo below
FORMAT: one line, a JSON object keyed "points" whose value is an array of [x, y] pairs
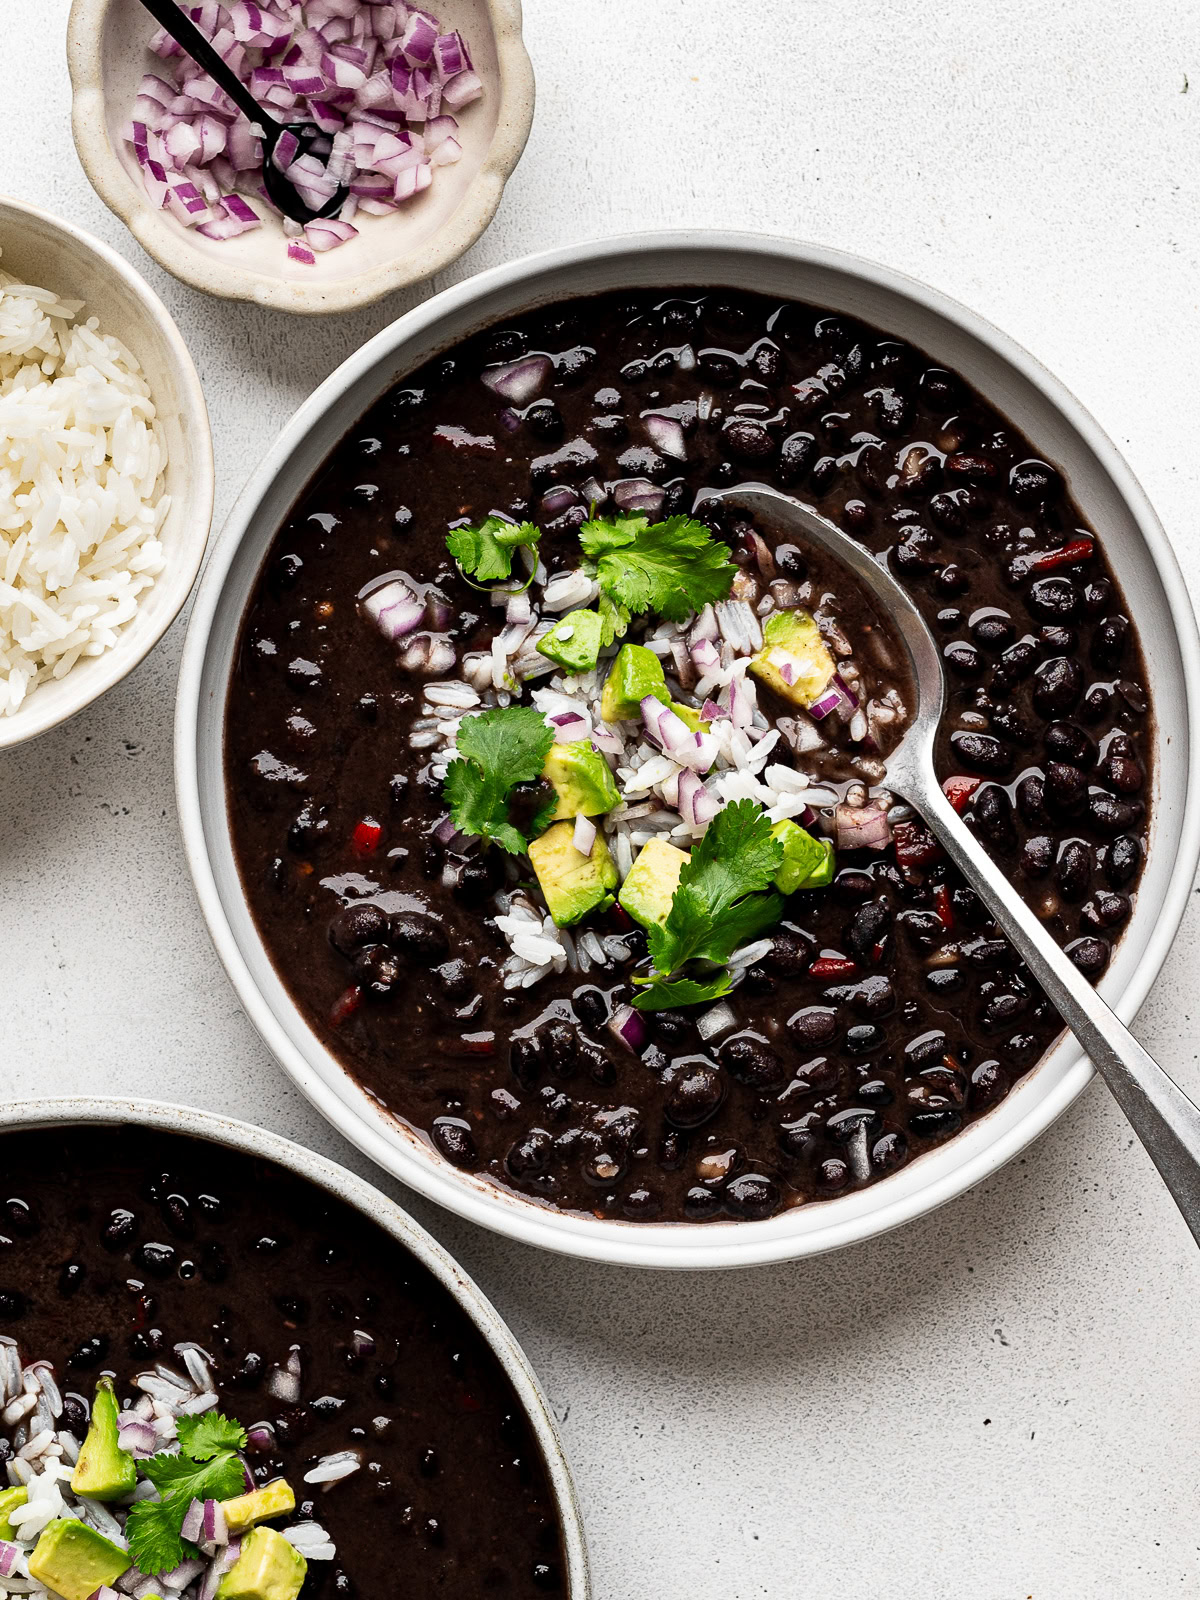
{"points": [[1165, 1120], [185, 32]]}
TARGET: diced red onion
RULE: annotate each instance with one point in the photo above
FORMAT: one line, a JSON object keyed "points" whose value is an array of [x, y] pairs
{"points": [[136, 1435], [178, 1578], [571, 726], [609, 744], [215, 1530], [695, 804], [217, 1568], [518, 607], [718, 1019], [193, 1522], [710, 711], [300, 252], [685, 668], [666, 434], [394, 609], [326, 233], [557, 500], [741, 703], [705, 653], [461, 90], [847, 691], [638, 494], [584, 835], [861, 828], [261, 1439], [519, 381], [835, 696], [627, 1025]]}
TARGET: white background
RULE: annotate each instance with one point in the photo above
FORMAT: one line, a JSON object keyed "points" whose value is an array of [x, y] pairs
{"points": [[1002, 1401]]}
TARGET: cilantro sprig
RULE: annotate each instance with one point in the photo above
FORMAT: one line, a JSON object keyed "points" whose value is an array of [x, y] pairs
{"points": [[671, 568], [206, 1468], [497, 750], [486, 553], [724, 899]]}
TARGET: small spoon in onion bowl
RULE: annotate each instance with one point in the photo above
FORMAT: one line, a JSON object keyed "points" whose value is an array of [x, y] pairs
{"points": [[1162, 1116]]}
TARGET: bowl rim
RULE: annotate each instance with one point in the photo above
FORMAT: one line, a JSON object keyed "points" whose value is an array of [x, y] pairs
{"points": [[723, 1245], [250, 1139], [179, 576], [456, 235]]}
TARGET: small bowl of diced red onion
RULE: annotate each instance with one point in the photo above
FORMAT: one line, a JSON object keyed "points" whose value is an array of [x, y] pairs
{"points": [[422, 115]]}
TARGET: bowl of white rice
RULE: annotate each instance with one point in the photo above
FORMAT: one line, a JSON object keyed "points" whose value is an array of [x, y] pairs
{"points": [[106, 470]]}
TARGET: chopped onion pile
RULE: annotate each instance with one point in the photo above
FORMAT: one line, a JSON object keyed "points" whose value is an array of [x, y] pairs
{"points": [[378, 77]]}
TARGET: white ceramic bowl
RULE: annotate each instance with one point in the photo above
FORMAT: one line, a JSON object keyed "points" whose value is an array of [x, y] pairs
{"points": [[40, 249], [1023, 391], [103, 1112], [108, 56]]}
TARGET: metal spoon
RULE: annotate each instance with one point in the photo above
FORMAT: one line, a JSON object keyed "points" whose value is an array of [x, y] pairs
{"points": [[185, 33], [1163, 1117]]}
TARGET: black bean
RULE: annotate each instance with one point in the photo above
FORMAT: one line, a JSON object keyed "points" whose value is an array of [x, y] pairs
{"points": [[1031, 800], [672, 1150], [1016, 662], [924, 928], [988, 955], [1134, 696], [1065, 742], [924, 1050], [875, 1092], [1106, 909], [935, 1122], [530, 1154], [873, 997], [1002, 1010], [832, 1175], [889, 1152], [358, 925], [979, 752], [701, 1204], [751, 1196], [788, 956], [944, 980], [695, 1090], [814, 1025], [916, 552], [1122, 860], [560, 1046], [90, 1353], [993, 631], [868, 929], [1059, 639], [418, 935], [1074, 870], [120, 1230], [1090, 955], [1109, 641], [478, 880], [1110, 815], [590, 1007], [544, 420], [843, 1125], [863, 1038], [1058, 683], [1122, 773], [156, 1259], [526, 1060], [989, 1084], [747, 439], [454, 1139], [1033, 482], [75, 1415], [800, 1139], [1037, 855], [378, 972], [963, 658], [993, 817], [1066, 788]]}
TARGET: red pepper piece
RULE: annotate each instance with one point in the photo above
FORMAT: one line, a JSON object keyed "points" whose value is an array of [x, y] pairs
{"points": [[943, 906], [1068, 555], [837, 968], [959, 790], [367, 835], [346, 1004]]}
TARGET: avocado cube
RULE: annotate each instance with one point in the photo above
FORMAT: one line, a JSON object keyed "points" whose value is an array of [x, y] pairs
{"points": [[634, 674], [573, 884], [267, 1568], [794, 660], [104, 1471], [9, 1501], [802, 856], [651, 882], [274, 1499], [822, 876], [574, 641], [689, 716], [581, 779], [74, 1560]]}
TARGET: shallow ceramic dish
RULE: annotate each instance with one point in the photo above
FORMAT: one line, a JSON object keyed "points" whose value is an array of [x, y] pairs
{"points": [[40, 249], [1007, 376], [107, 55], [103, 1112]]}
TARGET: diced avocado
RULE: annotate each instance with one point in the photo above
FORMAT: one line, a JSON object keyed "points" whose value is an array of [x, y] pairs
{"points": [[822, 876], [573, 884], [802, 856], [104, 1471], [581, 779], [634, 674], [272, 1500], [74, 1560], [794, 660], [9, 1501], [651, 882], [574, 641], [689, 715], [267, 1568]]}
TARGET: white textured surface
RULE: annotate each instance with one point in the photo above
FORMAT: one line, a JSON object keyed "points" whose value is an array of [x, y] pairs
{"points": [[1000, 1402]]}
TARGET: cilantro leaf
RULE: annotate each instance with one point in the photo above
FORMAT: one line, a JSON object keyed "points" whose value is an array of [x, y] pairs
{"points": [[213, 1472], [496, 751], [614, 619], [201, 1437], [671, 568], [721, 902], [486, 552]]}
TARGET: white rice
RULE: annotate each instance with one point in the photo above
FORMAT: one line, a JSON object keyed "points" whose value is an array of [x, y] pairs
{"points": [[81, 489]]}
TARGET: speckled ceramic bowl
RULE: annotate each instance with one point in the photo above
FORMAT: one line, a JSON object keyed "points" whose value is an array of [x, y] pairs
{"points": [[40, 249], [1011, 379], [104, 1112], [107, 55]]}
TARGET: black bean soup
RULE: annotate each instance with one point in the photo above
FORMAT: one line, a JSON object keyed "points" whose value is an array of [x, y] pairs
{"points": [[116, 1244], [888, 1012]]}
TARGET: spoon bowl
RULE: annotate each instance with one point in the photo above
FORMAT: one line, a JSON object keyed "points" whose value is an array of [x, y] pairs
{"points": [[1164, 1118]]}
